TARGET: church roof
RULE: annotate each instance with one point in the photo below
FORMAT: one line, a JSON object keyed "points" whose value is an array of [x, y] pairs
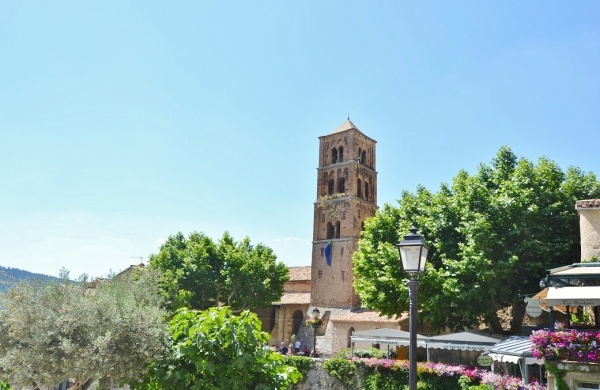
{"points": [[348, 125], [367, 316], [294, 298], [299, 273]]}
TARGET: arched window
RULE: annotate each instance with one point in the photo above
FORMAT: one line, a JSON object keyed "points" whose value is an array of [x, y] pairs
{"points": [[349, 339], [366, 190], [330, 230], [334, 155], [331, 186], [363, 158], [341, 185], [337, 229], [359, 155], [359, 188], [325, 182], [341, 153]]}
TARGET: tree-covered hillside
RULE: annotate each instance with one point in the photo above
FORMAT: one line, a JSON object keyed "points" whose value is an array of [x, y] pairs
{"points": [[9, 276]]}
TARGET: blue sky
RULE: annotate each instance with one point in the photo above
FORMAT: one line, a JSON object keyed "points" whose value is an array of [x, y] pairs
{"points": [[122, 123]]}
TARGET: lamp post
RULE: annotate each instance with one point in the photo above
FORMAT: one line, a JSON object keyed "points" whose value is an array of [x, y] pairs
{"points": [[315, 324], [414, 255]]}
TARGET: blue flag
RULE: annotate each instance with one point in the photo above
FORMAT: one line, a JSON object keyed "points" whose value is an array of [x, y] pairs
{"points": [[328, 252]]}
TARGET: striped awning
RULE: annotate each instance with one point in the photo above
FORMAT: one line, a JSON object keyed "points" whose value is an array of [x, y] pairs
{"points": [[514, 349]]}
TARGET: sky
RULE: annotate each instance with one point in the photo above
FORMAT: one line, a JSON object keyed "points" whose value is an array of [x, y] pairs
{"points": [[124, 122]]}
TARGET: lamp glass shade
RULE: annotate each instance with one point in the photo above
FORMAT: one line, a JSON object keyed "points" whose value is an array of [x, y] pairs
{"points": [[315, 313], [413, 252], [413, 258]]}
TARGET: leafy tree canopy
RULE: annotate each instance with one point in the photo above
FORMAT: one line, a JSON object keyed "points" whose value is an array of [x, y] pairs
{"points": [[105, 332], [491, 235], [215, 349], [199, 273]]}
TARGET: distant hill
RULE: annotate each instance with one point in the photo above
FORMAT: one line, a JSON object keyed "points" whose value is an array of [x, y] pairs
{"points": [[9, 276]]}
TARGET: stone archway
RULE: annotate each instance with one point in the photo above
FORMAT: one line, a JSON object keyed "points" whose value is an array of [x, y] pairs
{"points": [[297, 320]]}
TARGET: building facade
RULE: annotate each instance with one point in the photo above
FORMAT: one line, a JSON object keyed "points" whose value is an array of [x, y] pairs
{"points": [[346, 196]]}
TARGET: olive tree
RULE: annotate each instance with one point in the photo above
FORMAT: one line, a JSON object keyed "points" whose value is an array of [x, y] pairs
{"points": [[106, 332]]}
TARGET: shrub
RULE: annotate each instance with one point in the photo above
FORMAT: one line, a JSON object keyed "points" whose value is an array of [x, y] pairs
{"points": [[302, 363], [343, 370]]}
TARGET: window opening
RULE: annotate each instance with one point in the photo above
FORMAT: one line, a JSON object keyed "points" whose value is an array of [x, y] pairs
{"points": [[331, 186], [349, 339], [341, 185], [366, 191], [359, 188], [334, 155], [330, 230], [587, 386], [363, 158], [341, 153], [337, 229]]}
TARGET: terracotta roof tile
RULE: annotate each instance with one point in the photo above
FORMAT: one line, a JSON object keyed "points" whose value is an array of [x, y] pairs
{"points": [[294, 298], [368, 316], [587, 204], [299, 273]]}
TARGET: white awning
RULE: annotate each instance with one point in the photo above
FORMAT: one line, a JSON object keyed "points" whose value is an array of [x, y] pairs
{"points": [[464, 341], [498, 357], [573, 296], [515, 349], [387, 336]]}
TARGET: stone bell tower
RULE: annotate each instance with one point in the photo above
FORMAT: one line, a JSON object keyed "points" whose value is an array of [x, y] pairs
{"points": [[346, 196]]}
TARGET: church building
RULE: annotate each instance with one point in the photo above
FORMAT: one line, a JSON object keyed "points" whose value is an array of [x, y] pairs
{"points": [[346, 197]]}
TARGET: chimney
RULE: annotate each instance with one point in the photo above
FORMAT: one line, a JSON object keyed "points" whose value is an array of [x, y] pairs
{"points": [[589, 227]]}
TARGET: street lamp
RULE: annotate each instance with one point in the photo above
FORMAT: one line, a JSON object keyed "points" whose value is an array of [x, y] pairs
{"points": [[414, 256], [315, 324]]}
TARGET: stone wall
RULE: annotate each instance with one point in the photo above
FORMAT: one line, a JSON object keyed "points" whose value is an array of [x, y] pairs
{"points": [[576, 373], [318, 378], [589, 226]]}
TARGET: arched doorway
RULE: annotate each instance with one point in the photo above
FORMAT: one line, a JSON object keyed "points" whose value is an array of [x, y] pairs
{"points": [[297, 319]]}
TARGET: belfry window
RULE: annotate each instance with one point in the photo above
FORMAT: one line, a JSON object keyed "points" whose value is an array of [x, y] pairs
{"points": [[331, 186], [359, 188], [366, 191], [341, 185], [341, 154], [363, 157], [337, 229], [330, 231], [334, 155]]}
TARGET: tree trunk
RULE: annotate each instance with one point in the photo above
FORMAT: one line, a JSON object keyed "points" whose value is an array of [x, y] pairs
{"points": [[494, 324], [82, 386], [518, 312]]}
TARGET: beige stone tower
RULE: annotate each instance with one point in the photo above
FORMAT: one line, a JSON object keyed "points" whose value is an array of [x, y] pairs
{"points": [[589, 227], [346, 196]]}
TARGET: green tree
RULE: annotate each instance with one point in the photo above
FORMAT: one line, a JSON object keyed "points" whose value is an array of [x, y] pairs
{"points": [[492, 236], [105, 332], [215, 349], [199, 273]]}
